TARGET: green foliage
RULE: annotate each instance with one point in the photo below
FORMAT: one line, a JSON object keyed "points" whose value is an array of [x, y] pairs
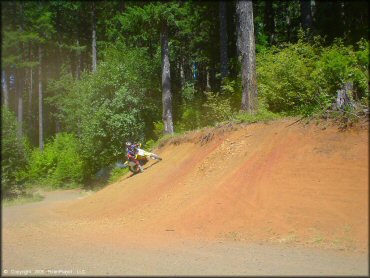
{"points": [[122, 100], [217, 108], [110, 106], [149, 145], [158, 129], [284, 80], [116, 174], [59, 164], [261, 116], [14, 153], [301, 78], [191, 118], [189, 92], [23, 199]]}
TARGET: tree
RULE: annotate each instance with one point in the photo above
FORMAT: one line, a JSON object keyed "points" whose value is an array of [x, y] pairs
{"points": [[306, 14], [269, 19], [44, 29], [41, 125], [13, 152], [244, 10], [4, 82], [94, 55], [166, 81], [20, 79], [161, 18], [223, 40]]}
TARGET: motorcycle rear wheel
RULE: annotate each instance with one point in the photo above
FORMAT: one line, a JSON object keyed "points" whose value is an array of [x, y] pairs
{"points": [[156, 157], [135, 169]]}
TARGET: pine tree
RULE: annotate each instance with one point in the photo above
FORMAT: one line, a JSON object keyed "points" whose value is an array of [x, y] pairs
{"points": [[248, 56]]}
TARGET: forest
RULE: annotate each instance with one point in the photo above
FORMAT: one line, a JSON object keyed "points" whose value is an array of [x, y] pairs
{"points": [[80, 78]]}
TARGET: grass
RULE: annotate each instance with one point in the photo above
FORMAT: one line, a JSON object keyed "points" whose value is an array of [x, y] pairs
{"points": [[241, 117], [260, 116], [317, 239], [116, 174], [234, 236], [23, 199]]}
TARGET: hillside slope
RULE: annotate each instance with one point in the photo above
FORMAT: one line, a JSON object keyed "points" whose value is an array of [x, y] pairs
{"points": [[279, 182]]}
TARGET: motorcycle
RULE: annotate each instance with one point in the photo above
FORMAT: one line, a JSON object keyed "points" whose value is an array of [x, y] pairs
{"points": [[143, 157]]}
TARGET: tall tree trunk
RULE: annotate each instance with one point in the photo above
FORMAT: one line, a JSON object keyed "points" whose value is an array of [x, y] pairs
{"points": [[78, 69], [20, 80], [122, 6], [94, 59], [248, 55], [224, 60], [287, 20], [208, 86], [238, 42], [20, 88], [41, 127], [182, 74], [269, 19], [306, 14], [166, 81], [4, 82], [30, 92]]}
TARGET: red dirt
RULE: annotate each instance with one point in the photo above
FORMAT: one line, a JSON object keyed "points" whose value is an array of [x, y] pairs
{"points": [[274, 182]]}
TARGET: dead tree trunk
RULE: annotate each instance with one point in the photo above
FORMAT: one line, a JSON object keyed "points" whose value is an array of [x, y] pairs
{"points": [[166, 81], [343, 100], [248, 56]]}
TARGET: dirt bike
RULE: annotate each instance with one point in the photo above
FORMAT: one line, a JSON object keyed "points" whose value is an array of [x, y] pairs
{"points": [[143, 157]]}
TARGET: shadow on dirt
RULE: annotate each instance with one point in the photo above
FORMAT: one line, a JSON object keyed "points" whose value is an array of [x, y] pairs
{"points": [[134, 174]]}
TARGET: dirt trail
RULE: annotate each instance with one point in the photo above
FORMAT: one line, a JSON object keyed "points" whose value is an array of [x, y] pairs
{"points": [[261, 182], [45, 244], [263, 199]]}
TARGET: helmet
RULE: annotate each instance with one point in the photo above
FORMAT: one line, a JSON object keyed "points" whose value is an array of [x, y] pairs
{"points": [[128, 144]]}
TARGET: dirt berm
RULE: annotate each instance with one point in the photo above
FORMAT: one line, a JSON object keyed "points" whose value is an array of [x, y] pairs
{"points": [[279, 182]]}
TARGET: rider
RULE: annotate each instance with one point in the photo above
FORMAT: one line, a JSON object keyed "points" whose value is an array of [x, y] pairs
{"points": [[131, 150]]}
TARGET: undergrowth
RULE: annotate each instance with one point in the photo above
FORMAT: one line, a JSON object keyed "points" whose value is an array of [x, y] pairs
{"points": [[116, 174], [23, 199]]}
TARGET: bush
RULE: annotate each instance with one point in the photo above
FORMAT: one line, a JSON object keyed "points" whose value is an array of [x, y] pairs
{"points": [[284, 82], [303, 78], [116, 174], [149, 145], [158, 129], [112, 105], [217, 108], [59, 164], [261, 115], [14, 154], [191, 118]]}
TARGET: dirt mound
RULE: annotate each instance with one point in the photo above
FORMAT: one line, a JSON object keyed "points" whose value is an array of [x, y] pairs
{"points": [[279, 182]]}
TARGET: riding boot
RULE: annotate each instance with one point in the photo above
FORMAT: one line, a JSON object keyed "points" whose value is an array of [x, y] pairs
{"points": [[141, 168]]}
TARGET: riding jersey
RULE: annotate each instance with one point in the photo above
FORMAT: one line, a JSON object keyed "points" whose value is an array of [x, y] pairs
{"points": [[132, 150]]}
